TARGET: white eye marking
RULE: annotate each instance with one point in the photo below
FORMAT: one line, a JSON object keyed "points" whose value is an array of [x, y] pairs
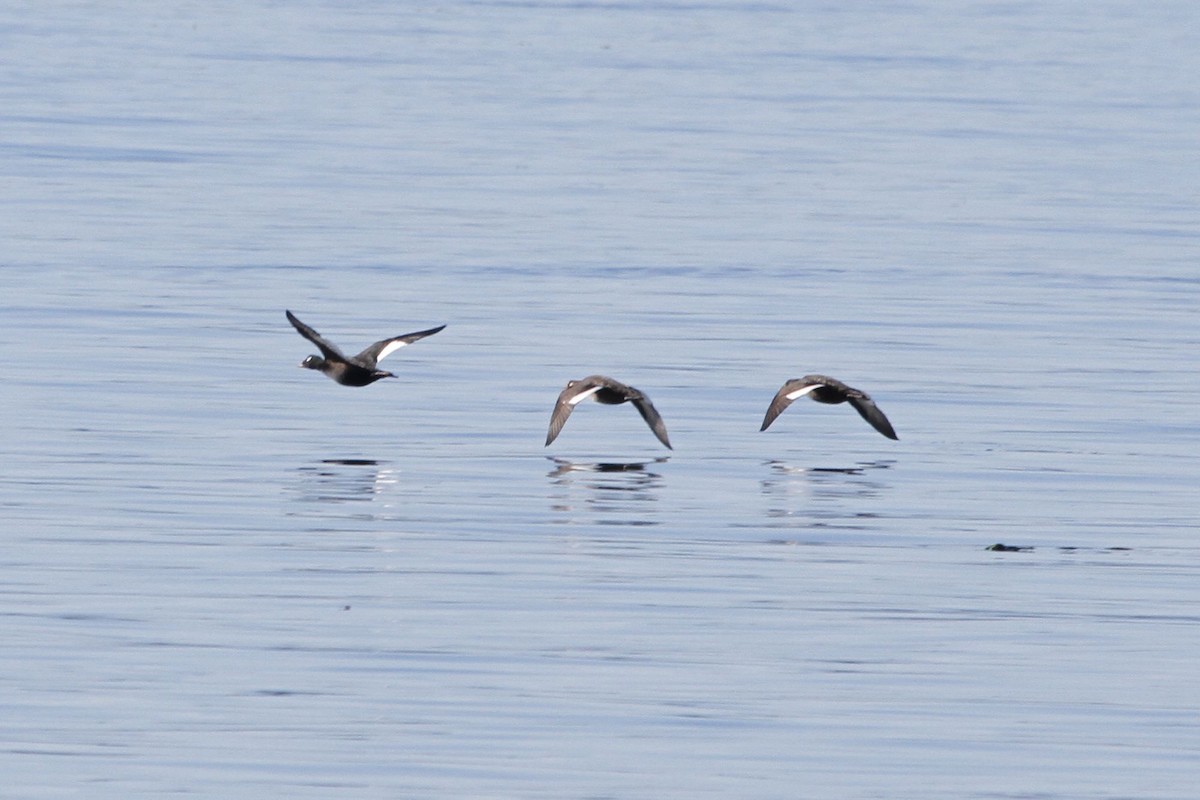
{"points": [[800, 392], [583, 395]]}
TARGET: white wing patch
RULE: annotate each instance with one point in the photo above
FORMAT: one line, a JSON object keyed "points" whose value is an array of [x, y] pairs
{"points": [[389, 348], [801, 392], [584, 395]]}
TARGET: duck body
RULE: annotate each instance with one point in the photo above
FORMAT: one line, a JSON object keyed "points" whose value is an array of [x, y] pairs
{"points": [[347, 373]]}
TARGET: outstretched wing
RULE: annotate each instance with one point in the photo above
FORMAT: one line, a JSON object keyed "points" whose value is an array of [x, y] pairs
{"points": [[790, 391], [866, 407], [385, 347], [652, 417], [574, 393], [328, 350]]}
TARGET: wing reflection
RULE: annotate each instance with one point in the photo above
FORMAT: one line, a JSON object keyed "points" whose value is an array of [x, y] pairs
{"points": [[605, 492], [823, 497]]}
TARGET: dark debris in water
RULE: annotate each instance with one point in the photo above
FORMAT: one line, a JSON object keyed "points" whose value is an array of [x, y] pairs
{"points": [[1012, 548], [1009, 548]]}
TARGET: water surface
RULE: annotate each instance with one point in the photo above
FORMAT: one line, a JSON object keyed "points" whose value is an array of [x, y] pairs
{"points": [[226, 576]]}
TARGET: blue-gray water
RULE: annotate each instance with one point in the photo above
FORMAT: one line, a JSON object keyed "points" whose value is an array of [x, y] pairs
{"points": [[227, 577]]}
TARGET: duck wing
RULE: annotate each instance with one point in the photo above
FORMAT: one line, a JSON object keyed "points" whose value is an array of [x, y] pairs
{"points": [[327, 349], [791, 390], [652, 417], [574, 393], [385, 347], [866, 407]]}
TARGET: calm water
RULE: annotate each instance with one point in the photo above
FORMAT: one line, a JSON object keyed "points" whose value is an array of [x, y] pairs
{"points": [[227, 577]]}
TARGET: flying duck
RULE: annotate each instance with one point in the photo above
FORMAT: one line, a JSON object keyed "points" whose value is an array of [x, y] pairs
{"points": [[609, 392], [824, 389], [361, 369]]}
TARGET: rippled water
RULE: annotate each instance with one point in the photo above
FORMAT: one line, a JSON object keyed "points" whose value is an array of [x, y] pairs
{"points": [[225, 576]]}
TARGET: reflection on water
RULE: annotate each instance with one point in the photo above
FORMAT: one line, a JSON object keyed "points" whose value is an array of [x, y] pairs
{"points": [[823, 497], [605, 492], [344, 480]]}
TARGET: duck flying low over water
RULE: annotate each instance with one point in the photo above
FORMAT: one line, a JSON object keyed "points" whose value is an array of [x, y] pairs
{"points": [[609, 392], [824, 389], [359, 370]]}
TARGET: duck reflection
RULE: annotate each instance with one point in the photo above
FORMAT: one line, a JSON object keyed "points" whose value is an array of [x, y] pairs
{"points": [[806, 496], [606, 492], [344, 480]]}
